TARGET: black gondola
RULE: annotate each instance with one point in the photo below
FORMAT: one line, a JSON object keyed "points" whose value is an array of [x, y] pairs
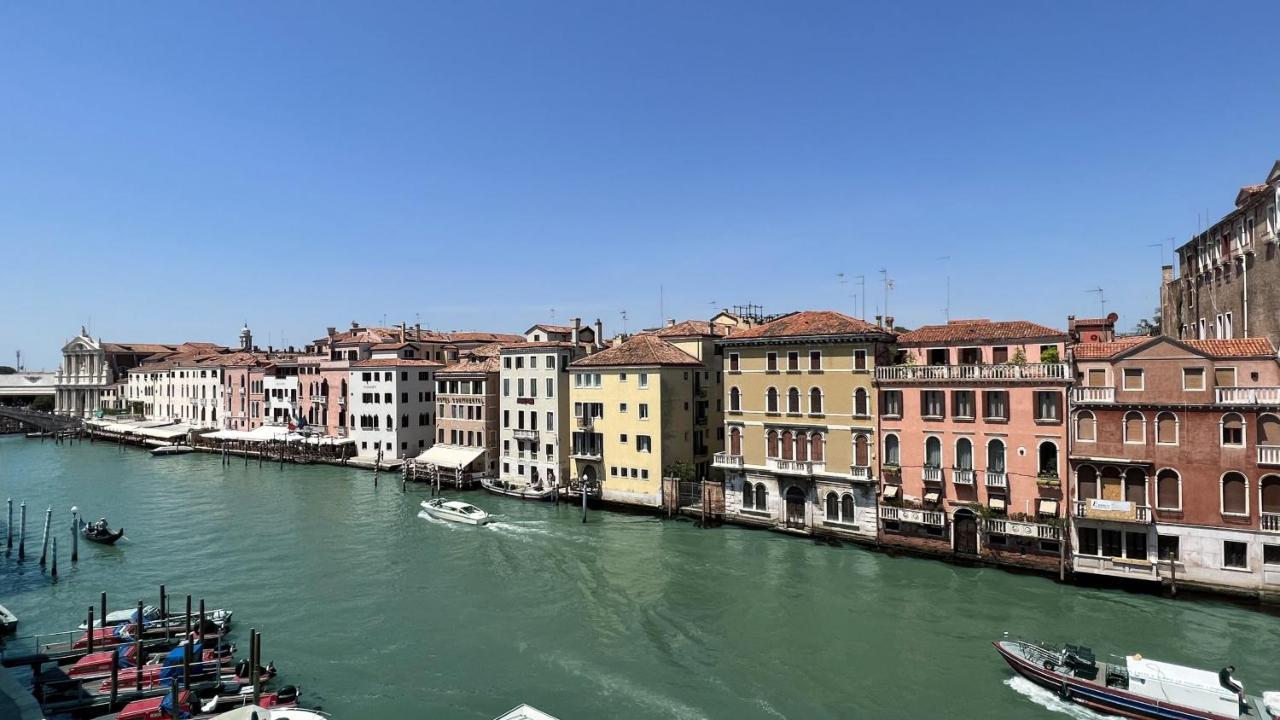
{"points": [[100, 532]]}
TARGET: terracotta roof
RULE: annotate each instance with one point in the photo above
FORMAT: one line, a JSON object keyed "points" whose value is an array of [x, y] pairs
{"points": [[809, 323], [1104, 350], [538, 345], [396, 362], [639, 351], [690, 328], [486, 337], [472, 366], [389, 346], [1237, 347], [555, 328], [965, 331], [138, 347]]}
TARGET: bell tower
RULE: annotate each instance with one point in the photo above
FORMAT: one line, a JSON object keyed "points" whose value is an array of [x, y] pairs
{"points": [[246, 338]]}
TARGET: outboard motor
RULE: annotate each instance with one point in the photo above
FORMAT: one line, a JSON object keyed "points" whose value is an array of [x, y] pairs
{"points": [[287, 695]]}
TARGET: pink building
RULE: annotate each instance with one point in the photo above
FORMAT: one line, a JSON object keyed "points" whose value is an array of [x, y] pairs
{"points": [[973, 441]]}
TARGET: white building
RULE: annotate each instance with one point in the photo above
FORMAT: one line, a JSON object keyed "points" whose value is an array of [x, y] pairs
{"points": [[89, 365], [534, 398], [391, 405]]}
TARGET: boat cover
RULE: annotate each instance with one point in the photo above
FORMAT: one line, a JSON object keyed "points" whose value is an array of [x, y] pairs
{"points": [[172, 669], [451, 456]]}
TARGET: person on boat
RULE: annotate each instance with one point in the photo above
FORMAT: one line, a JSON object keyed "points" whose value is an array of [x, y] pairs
{"points": [[101, 525], [1232, 684]]}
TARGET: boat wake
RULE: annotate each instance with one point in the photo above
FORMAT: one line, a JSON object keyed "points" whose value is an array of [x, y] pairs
{"points": [[519, 529], [436, 521], [1050, 701]]}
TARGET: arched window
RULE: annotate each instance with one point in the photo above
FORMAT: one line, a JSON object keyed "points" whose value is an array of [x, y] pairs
{"points": [[1268, 430], [933, 453], [1168, 490], [771, 444], [815, 447], [771, 400], [861, 456], [735, 441], [848, 511], [1086, 482], [995, 455], [1135, 486], [1167, 428], [390, 424], [815, 401], [802, 447], [1232, 430], [748, 496], [1086, 426], [735, 399], [891, 455], [833, 507], [964, 454], [793, 400], [1048, 459], [1271, 499], [1135, 428], [762, 497], [860, 403], [788, 445], [1235, 494]]}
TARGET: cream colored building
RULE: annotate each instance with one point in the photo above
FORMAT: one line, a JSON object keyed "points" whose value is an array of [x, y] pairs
{"points": [[800, 423]]}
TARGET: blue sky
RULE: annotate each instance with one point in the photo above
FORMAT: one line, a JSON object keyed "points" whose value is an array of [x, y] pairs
{"points": [[169, 170]]}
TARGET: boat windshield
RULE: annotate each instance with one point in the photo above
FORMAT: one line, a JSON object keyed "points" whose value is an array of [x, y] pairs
{"points": [[470, 509]]}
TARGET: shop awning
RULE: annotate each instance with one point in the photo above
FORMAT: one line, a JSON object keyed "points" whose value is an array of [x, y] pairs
{"points": [[1049, 507], [998, 503], [891, 492], [453, 456], [166, 432], [932, 497]]}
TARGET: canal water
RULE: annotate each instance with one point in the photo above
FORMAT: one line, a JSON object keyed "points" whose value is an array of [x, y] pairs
{"points": [[377, 612]]}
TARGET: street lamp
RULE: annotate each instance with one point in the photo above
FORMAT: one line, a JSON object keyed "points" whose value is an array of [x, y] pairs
{"points": [[583, 487]]}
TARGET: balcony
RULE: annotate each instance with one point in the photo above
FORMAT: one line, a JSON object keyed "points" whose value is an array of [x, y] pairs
{"points": [[727, 460], [1116, 510], [319, 398], [1116, 567], [522, 434], [960, 476], [795, 467], [1271, 522], [1036, 531], [1004, 371], [911, 515], [1247, 395], [996, 479], [860, 472], [1087, 395], [931, 474], [586, 453], [1268, 455]]}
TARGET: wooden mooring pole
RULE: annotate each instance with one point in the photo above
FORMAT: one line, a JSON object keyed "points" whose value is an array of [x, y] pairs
{"points": [[54, 571], [8, 527], [257, 674], [44, 540], [90, 631], [138, 647], [75, 535], [115, 676], [102, 605], [22, 531]]}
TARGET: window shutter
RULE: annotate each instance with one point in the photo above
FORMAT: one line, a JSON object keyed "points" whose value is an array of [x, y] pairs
{"points": [[1167, 490], [1224, 377], [1166, 428], [1233, 500]]}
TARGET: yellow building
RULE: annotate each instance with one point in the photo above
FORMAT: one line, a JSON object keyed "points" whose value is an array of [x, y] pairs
{"points": [[640, 407], [800, 422]]}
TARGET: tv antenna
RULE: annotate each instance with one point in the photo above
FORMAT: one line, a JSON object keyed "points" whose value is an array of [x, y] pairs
{"points": [[862, 284], [947, 310], [1102, 299], [888, 285], [624, 321]]}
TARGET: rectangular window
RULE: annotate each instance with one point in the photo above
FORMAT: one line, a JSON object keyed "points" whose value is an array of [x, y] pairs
{"points": [[622, 438], [1111, 543], [771, 362], [733, 362], [1193, 378], [622, 407], [1167, 547], [644, 444], [622, 377], [891, 402], [859, 359], [642, 380], [644, 411], [1088, 540], [1048, 404], [1133, 379], [1097, 377], [815, 359], [1224, 377], [551, 386], [962, 404], [1271, 554], [793, 361], [997, 405], [1135, 545], [999, 355], [1235, 555], [933, 403]]}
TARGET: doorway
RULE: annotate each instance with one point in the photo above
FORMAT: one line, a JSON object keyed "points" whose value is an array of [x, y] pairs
{"points": [[795, 507], [965, 527]]}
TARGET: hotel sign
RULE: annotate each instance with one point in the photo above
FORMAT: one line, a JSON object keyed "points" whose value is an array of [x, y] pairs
{"points": [[1097, 509]]}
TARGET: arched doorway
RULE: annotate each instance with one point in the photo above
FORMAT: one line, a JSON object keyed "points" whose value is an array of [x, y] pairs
{"points": [[965, 527], [795, 507], [588, 477]]}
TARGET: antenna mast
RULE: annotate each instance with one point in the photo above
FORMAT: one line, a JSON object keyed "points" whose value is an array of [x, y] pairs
{"points": [[1102, 299]]}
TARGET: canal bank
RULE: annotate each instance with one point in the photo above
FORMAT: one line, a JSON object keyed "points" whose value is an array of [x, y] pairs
{"points": [[377, 612]]}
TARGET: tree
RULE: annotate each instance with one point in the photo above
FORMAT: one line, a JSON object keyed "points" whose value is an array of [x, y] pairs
{"points": [[1049, 355], [683, 471], [1149, 327]]}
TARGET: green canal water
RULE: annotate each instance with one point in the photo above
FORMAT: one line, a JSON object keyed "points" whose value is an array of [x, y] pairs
{"points": [[378, 613]]}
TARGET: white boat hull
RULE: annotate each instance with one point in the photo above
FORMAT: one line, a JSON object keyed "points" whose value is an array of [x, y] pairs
{"points": [[446, 513]]}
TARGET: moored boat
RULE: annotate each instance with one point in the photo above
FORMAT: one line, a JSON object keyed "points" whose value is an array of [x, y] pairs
{"points": [[100, 532], [248, 712], [1139, 687], [172, 450], [8, 621], [510, 489], [151, 618], [455, 511]]}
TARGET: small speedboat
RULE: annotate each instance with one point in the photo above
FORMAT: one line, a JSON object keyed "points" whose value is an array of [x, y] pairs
{"points": [[8, 621], [524, 712], [1138, 687], [171, 450], [197, 708], [456, 511], [100, 532], [151, 618], [510, 489], [248, 712]]}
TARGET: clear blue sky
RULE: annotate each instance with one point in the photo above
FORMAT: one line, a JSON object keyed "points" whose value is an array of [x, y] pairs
{"points": [[170, 170]]}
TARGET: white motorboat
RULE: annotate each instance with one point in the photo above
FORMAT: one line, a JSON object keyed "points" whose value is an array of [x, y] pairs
{"points": [[172, 450], [524, 712], [455, 511], [151, 616], [256, 712], [8, 621], [510, 489]]}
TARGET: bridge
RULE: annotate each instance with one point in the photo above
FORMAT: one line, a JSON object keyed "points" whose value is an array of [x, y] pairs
{"points": [[37, 420]]}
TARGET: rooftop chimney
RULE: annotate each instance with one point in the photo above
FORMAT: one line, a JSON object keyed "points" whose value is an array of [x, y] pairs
{"points": [[599, 326], [331, 331], [577, 326], [355, 325], [879, 321], [671, 322], [417, 331], [403, 328], [1166, 274]]}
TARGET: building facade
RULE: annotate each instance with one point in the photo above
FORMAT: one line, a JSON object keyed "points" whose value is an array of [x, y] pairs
{"points": [[973, 441], [392, 406], [1175, 463], [800, 423], [467, 411], [89, 365], [535, 406]]}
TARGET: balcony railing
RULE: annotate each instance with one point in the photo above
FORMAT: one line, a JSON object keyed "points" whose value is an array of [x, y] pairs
{"points": [[1268, 455], [796, 467], [932, 474], [1040, 531], [522, 434], [727, 460], [860, 472], [1271, 522], [912, 515], [961, 476], [1247, 395], [586, 454], [996, 479], [1004, 371], [1119, 510], [1093, 394]]}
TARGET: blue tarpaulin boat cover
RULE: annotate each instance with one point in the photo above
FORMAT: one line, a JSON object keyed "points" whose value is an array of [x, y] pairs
{"points": [[172, 669], [122, 658], [166, 705]]}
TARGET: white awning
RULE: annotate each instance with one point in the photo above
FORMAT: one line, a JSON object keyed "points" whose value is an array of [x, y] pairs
{"points": [[932, 497], [1049, 507], [891, 491], [452, 456], [997, 503], [167, 432]]}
